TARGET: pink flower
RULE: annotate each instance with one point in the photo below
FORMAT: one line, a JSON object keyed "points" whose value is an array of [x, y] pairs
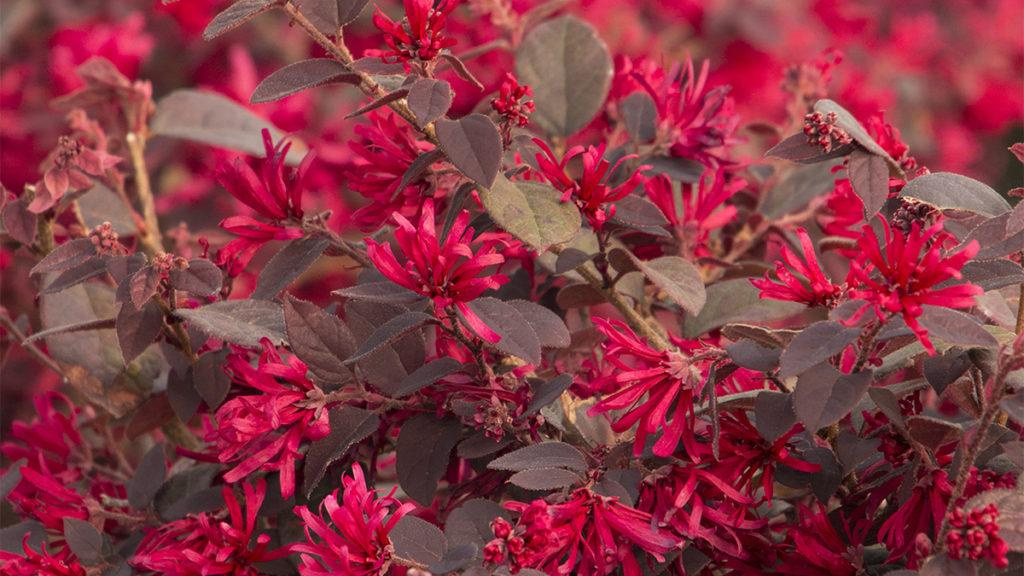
{"points": [[358, 544], [697, 123], [591, 191], [818, 550], [905, 277], [383, 153], [40, 563], [667, 379], [811, 287], [448, 273], [203, 544], [263, 431], [125, 43], [975, 535], [888, 137], [922, 513], [274, 192], [513, 106], [419, 36], [703, 207], [589, 534]]}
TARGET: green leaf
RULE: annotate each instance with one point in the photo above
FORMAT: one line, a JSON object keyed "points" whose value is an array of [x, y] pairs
{"points": [[531, 211]]}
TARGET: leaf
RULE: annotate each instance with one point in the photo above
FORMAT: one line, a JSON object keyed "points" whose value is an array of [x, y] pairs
{"points": [[97, 351], [933, 433], [427, 375], [948, 190], [393, 96], [182, 395], [235, 15], [1013, 405], [140, 286], [391, 331], [796, 148], [851, 126], [550, 328], [945, 368], [11, 478], [84, 326], [736, 300], [532, 212], [823, 395], [471, 522], [31, 531], [137, 329], [424, 448], [479, 445], [955, 328], [300, 76], [754, 356], [570, 71], [319, 339], [417, 542], [19, 223], [943, 565], [993, 274], [637, 212], [994, 239], [678, 278], [547, 392], [148, 478], [288, 264], [189, 492], [571, 259], [544, 478], [680, 169], [473, 144], [349, 426], [242, 322], [329, 15], [796, 189], [65, 257], [518, 337], [202, 278], [459, 67], [774, 416], [91, 268], [386, 368], [640, 116], [84, 540], [815, 344], [385, 292], [455, 558], [212, 119], [418, 167], [869, 176], [429, 100], [542, 455], [209, 378]]}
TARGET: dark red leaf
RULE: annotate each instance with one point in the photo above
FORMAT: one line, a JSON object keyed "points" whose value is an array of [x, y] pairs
{"points": [[418, 542], [424, 446], [390, 332], [815, 344], [19, 223], [138, 328], [518, 337], [319, 339], [148, 478], [428, 374], [243, 322], [235, 15], [66, 256], [288, 264], [84, 540], [473, 145], [823, 395], [543, 455], [300, 76], [429, 99], [869, 176], [210, 379], [349, 426], [201, 278]]}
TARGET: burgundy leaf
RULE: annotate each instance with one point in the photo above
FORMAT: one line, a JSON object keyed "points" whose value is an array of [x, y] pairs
{"points": [[544, 478], [210, 379], [815, 344], [773, 413], [424, 446], [384, 100], [288, 264], [550, 329], [349, 426], [518, 337], [427, 375], [473, 145], [947, 190], [547, 392], [84, 540], [66, 256], [418, 542], [386, 292], [91, 268], [295, 78], [182, 394], [242, 322], [201, 278], [390, 332], [823, 395], [329, 15], [869, 176], [429, 99], [235, 15], [138, 328], [19, 223], [148, 478], [543, 455], [319, 339], [640, 116]]}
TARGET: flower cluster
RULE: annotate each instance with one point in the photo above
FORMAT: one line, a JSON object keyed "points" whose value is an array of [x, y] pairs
{"points": [[975, 535], [420, 36], [823, 130]]}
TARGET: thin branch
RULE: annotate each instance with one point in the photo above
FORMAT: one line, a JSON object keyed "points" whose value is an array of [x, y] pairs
{"points": [[152, 243], [30, 347]]}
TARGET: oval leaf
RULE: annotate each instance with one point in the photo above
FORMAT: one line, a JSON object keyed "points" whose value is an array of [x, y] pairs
{"points": [[424, 446], [544, 478], [947, 190], [543, 455], [570, 71], [300, 76], [429, 100], [473, 145], [243, 322], [815, 344], [532, 212], [824, 395], [349, 426]]}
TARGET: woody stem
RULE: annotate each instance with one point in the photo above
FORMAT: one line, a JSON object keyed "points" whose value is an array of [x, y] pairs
{"points": [[152, 243]]}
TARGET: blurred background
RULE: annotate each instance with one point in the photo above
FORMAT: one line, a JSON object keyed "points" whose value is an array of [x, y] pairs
{"points": [[949, 74]]}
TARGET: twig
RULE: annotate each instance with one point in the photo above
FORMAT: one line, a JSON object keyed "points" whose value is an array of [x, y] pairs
{"points": [[1020, 312], [30, 347], [152, 243], [367, 84]]}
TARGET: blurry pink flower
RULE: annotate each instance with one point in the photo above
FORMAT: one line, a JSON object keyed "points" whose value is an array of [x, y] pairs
{"points": [[125, 43], [40, 563], [703, 207], [922, 513], [358, 543], [975, 535]]}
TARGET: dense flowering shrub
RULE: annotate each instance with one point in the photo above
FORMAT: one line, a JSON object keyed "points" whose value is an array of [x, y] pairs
{"points": [[511, 287]]}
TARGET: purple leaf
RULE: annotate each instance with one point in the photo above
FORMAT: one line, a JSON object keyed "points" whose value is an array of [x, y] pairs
{"points": [[471, 522], [815, 344], [549, 327], [300, 76], [288, 264], [418, 542], [427, 375], [518, 337], [84, 540], [547, 392], [182, 394], [390, 332], [955, 328], [148, 478], [235, 15], [138, 328], [429, 99], [329, 15], [142, 286], [678, 278], [210, 379], [19, 223], [386, 292], [640, 116], [349, 426], [424, 447], [391, 364], [543, 455], [773, 413], [65, 257], [823, 395], [242, 322], [869, 176], [947, 190], [796, 148], [319, 339], [91, 268], [544, 478], [201, 278], [473, 145]]}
